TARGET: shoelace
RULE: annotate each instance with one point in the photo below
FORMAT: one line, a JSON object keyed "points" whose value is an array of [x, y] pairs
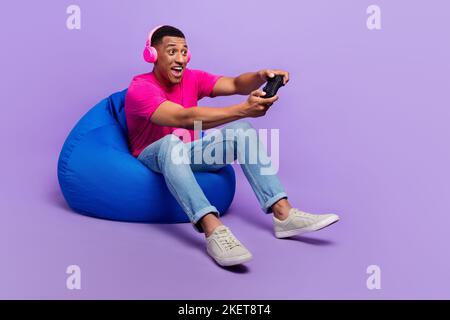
{"points": [[227, 239], [304, 214]]}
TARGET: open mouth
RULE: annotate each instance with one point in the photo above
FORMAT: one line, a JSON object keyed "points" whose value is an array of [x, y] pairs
{"points": [[177, 71]]}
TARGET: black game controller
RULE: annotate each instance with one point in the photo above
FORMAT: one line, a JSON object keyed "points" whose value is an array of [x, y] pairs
{"points": [[272, 86]]}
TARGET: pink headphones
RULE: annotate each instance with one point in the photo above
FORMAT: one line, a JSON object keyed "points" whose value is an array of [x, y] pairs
{"points": [[150, 53]]}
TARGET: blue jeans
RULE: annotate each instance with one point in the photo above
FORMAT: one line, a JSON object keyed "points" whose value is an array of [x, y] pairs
{"points": [[179, 177]]}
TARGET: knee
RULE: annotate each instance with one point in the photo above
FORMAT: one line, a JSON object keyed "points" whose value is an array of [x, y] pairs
{"points": [[169, 143], [240, 130], [242, 124], [244, 131]]}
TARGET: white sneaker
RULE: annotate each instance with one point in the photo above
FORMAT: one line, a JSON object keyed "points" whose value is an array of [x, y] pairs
{"points": [[223, 246], [299, 222]]}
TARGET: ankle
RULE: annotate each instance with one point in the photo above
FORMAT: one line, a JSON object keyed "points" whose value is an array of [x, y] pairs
{"points": [[209, 223], [281, 216], [281, 209]]}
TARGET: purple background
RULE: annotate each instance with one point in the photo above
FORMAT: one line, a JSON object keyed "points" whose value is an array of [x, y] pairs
{"points": [[364, 126]]}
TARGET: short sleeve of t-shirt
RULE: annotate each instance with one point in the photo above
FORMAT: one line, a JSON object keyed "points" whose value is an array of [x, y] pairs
{"points": [[205, 83], [143, 98]]}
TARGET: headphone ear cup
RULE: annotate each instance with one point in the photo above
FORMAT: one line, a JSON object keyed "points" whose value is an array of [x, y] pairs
{"points": [[153, 54], [145, 53], [150, 54], [188, 55]]}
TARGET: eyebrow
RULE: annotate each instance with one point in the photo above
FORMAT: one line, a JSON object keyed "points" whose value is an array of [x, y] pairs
{"points": [[174, 45]]}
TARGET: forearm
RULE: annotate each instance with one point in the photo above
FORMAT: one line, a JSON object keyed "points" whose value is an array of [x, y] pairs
{"points": [[247, 82], [211, 116]]}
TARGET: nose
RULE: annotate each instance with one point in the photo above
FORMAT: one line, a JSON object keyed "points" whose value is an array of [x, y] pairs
{"points": [[179, 58]]}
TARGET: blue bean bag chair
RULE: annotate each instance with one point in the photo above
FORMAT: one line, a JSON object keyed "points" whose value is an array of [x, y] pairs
{"points": [[99, 177]]}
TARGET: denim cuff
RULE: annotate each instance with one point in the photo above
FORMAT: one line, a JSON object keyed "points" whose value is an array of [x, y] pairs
{"points": [[269, 203], [199, 214]]}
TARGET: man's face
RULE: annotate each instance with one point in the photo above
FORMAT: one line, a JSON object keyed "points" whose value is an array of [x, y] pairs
{"points": [[172, 58]]}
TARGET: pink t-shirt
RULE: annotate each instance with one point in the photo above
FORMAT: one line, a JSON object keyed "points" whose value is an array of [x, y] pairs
{"points": [[144, 96]]}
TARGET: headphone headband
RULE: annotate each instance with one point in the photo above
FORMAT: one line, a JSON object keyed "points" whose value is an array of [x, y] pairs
{"points": [[149, 38]]}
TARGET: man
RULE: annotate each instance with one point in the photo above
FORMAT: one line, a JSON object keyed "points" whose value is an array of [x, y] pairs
{"points": [[159, 102]]}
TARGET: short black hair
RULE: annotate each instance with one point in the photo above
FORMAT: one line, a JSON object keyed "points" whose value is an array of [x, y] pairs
{"points": [[163, 31]]}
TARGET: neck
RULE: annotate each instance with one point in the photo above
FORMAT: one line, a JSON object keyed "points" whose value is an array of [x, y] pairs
{"points": [[161, 79]]}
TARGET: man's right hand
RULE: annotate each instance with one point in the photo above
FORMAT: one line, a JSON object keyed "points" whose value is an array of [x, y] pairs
{"points": [[256, 105]]}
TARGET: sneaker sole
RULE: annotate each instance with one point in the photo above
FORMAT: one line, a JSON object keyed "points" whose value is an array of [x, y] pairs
{"points": [[233, 261], [315, 227]]}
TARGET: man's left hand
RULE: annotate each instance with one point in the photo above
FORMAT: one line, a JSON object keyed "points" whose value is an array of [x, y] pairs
{"points": [[265, 74]]}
